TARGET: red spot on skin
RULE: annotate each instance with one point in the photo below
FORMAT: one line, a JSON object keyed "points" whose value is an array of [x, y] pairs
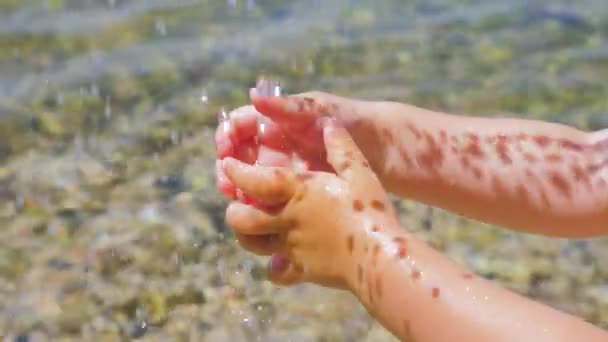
{"points": [[365, 164], [502, 149], [410, 126], [388, 136], [435, 292], [359, 274], [465, 162], [401, 247], [473, 147], [542, 141], [375, 228], [406, 158], [399, 239], [530, 174], [571, 145], [433, 156], [357, 205], [401, 251], [378, 205], [416, 275], [467, 275], [553, 158], [443, 136], [477, 173], [474, 150], [302, 177], [309, 101], [529, 157], [560, 183], [350, 243], [579, 174], [596, 167], [323, 110]]}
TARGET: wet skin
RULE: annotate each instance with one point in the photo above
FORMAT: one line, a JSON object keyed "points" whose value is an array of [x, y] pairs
{"points": [[354, 241]]}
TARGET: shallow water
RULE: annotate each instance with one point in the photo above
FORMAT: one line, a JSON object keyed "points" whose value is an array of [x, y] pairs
{"points": [[113, 227]]}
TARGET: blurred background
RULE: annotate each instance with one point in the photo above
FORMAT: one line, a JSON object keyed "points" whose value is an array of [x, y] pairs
{"points": [[111, 226]]}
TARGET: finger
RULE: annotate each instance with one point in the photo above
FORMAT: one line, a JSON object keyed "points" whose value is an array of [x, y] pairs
{"points": [[346, 158], [223, 140], [268, 184], [223, 183], [263, 245], [281, 271], [247, 220], [244, 122], [246, 151], [295, 110], [234, 129], [271, 135]]}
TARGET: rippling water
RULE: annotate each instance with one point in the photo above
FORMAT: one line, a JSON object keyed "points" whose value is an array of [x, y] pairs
{"points": [[104, 141]]}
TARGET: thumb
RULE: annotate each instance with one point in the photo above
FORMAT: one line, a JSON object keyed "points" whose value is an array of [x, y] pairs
{"points": [[297, 111]]}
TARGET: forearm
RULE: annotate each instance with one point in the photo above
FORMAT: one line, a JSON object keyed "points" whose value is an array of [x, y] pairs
{"points": [[420, 295], [522, 174]]}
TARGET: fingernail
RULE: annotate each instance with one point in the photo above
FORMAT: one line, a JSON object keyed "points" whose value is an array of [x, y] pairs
{"points": [[278, 263]]}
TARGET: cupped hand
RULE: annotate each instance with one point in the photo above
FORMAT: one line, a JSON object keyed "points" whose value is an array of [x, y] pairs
{"points": [[321, 218], [287, 134]]}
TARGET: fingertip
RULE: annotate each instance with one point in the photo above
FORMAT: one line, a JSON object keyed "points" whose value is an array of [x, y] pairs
{"points": [[278, 263], [282, 271], [223, 143], [244, 122]]}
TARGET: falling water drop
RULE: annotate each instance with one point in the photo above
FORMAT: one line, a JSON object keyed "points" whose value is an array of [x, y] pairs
{"points": [[160, 26], [107, 112]]}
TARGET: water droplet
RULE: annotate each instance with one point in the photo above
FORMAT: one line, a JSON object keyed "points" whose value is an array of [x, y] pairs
{"points": [[204, 98], [160, 26], [108, 108]]}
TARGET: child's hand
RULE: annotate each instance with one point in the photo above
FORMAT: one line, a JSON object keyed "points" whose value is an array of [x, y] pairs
{"points": [[290, 135], [325, 217]]}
